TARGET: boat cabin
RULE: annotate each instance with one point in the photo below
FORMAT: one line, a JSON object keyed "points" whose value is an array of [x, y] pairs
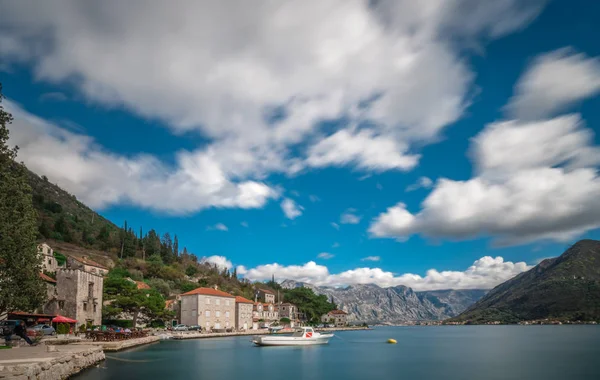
{"points": [[306, 332]]}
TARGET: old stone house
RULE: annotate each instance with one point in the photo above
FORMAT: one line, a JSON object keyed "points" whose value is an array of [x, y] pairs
{"points": [[290, 311], [337, 317], [265, 295], [87, 265], [265, 312], [243, 313], [78, 295], [49, 263], [210, 308]]}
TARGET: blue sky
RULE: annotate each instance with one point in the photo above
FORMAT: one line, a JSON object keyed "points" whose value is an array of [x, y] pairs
{"points": [[164, 125]]}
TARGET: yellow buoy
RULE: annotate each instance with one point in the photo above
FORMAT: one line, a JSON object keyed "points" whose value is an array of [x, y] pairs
{"points": [[392, 341]]}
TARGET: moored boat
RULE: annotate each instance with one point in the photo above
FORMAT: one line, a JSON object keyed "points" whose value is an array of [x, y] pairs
{"points": [[305, 336]]}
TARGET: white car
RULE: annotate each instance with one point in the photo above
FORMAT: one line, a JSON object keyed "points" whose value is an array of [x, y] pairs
{"points": [[180, 328]]}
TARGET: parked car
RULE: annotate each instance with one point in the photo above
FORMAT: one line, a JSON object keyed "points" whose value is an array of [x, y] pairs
{"points": [[8, 327], [180, 328], [195, 328], [45, 329]]}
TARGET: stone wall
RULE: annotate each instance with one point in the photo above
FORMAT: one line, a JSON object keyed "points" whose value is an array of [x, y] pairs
{"points": [[60, 367], [221, 311]]}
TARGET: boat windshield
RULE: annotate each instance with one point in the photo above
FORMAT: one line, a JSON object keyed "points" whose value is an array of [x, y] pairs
{"points": [[298, 333]]}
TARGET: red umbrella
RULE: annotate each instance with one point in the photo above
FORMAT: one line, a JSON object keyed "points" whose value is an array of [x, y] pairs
{"points": [[61, 319]]}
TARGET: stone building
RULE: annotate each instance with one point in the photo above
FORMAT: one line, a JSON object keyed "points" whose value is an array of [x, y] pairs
{"points": [[210, 308], [87, 265], [265, 295], [290, 311], [49, 263], [265, 312], [243, 313], [337, 317], [78, 296]]}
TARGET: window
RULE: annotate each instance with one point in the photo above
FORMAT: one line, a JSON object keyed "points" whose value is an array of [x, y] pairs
{"points": [[226, 314], [217, 314], [193, 313], [85, 306], [226, 302], [207, 313], [91, 290], [217, 301], [207, 301], [49, 261], [61, 304], [94, 308]]}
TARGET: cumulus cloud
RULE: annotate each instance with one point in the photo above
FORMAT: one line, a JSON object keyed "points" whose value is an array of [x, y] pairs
{"points": [[100, 178], [371, 258], [422, 183], [553, 82], [290, 209], [325, 255], [535, 179], [220, 261], [257, 91], [485, 273], [335, 225], [350, 217]]}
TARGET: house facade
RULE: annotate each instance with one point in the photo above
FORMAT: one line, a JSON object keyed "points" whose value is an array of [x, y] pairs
{"points": [[78, 295], [290, 311], [49, 263], [243, 313], [265, 295], [265, 312], [86, 265], [209, 308], [337, 317]]}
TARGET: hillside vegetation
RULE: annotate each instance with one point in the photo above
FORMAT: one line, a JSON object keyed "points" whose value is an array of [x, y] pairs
{"points": [[562, 288]]}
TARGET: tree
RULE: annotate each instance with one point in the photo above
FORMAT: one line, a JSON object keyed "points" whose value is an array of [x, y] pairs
{"points": [[176, 246], [21, 287], [191, 270], [313, 305], [166, 249]]}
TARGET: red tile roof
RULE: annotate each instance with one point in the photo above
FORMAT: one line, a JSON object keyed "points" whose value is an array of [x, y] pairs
{"points": [[86, 261], [169, 303], [266, 291], [142, 285], [208, 292], [242, 300], [47, 278], [337, 312]]}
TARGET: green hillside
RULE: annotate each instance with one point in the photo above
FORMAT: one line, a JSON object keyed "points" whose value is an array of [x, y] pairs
{"points": [[563, 288]]}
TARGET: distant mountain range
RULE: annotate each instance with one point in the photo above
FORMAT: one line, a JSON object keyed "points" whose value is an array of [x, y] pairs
{"points": [[373, 304], [563, 288]]}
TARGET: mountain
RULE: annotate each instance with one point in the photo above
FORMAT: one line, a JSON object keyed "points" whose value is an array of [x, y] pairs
{"points": [[373, 304], [563, 288]]}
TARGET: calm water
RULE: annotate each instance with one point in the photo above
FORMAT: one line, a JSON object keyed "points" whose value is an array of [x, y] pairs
{"points": [[444, 352]]}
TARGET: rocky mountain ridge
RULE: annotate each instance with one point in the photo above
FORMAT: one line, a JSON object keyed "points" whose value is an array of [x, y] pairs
{"points": [[373, 304]]}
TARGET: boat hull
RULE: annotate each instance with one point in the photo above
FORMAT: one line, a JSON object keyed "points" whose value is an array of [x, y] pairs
{"points": [[290, 341]]}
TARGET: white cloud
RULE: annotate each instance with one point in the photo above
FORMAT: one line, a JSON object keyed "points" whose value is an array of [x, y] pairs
{"points": [[396, 67], [335, 245], [100, 178], [422, 183], [485, 273], [291, 209], [220, 261], [335, 225], [371, 258], [218, 227], [325, 255], [314, 198], [350, 217], [554, 82], [244, 224], [534, 180]]}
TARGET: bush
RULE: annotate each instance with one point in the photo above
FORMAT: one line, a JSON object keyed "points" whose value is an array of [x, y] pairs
{"points": [[125, 323], [285, 320], [63, 328], [82, 328], [60, 258], [161, 286]]}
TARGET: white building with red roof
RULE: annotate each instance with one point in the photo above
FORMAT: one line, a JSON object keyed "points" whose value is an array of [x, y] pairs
{"points": [[336, 317], [243, 313]]}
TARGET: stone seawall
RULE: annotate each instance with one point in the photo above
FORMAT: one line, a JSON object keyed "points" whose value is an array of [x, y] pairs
{"points": [[51, 363], [122, 344]]}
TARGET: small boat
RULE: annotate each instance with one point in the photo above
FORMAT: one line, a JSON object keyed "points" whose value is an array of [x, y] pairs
{"points": [[305, 336], [275, 329]]}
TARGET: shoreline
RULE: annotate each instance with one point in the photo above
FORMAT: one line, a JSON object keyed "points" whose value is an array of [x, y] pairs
{"points": [[190, 335]]}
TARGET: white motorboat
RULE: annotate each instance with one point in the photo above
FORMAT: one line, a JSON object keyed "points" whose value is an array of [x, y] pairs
{"points": [[305, 336]]}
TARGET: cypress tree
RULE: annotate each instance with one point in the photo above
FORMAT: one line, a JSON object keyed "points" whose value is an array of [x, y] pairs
{"points": [[21, 286]]}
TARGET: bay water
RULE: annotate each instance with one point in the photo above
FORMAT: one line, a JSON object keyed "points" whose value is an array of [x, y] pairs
{"points": [[422, 352]]}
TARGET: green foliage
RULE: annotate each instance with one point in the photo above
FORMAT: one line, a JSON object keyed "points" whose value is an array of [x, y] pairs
{"points": [[285, 320], [161, 286], [191, 270], [63, 328], [21, 287], [124, 323], [60, 258], [308, 302]]}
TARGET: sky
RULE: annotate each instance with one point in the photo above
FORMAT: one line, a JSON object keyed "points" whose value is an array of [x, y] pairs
{"points": [[436, 144]]}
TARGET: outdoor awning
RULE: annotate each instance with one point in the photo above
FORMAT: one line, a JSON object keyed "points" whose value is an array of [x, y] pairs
{"points": [[61, 319]]}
